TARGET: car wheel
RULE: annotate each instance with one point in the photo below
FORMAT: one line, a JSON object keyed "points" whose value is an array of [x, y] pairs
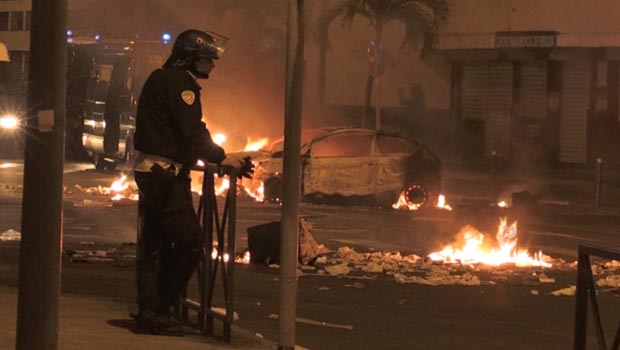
{"points": [[416, 196], [273, 189]]}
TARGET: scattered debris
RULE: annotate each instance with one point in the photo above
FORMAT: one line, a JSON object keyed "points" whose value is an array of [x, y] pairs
{"points": [[221, 311], [322, 288], [11, 235], [354, 285], [611, 281], [542, 278], [340, 269], [316, 323], [373, 267], [534, 292], [568, 291]]}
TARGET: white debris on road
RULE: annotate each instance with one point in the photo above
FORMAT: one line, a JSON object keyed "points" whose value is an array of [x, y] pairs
{"points": [[567, 292], [11, 235], [340, 269], [611, 281]]}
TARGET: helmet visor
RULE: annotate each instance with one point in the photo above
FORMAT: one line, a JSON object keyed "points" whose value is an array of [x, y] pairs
{"points": [[219, 44]]}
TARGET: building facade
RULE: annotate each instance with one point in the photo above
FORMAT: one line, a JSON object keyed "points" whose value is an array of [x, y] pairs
{"points": [[536, 81], [15, 20]]}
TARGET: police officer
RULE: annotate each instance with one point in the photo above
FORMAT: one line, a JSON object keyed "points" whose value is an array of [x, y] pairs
{"points": [[170, 137]]}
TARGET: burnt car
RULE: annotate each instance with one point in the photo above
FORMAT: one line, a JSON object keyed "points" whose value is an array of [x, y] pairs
{"points": [[355, 166]]}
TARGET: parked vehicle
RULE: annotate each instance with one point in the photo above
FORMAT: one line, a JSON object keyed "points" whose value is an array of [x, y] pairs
{"points": [[105, 80], [355, 166], [12, 110]]}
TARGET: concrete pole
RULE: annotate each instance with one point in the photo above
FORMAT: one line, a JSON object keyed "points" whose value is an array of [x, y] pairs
{"points": [[292, 175], [41, 242]]}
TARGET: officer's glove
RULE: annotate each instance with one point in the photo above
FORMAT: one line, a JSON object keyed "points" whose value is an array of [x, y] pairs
{"points": [[216, 154], [247, 168]]}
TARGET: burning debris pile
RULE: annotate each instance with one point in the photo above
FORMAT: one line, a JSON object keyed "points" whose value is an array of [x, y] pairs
{"points": [[472, 249], [469, 262], [120, 190]]}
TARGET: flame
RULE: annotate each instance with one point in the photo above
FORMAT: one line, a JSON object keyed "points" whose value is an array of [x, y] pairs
{"points": [[222, 184], [256, 145], [120, 190], [472, 249], [403, 203], [119, 185], [441, 203], [244, 259], [502, 204]]}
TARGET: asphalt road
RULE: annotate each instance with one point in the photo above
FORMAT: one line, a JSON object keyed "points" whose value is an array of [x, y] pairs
{"points": [[509, 310]]}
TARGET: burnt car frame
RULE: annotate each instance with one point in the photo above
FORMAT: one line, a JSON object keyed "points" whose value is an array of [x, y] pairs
{"points": [[356, 166]]}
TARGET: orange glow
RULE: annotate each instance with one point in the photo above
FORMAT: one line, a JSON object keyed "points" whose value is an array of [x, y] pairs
{"points": [[220, 138], [256, 144], [471, 248]]}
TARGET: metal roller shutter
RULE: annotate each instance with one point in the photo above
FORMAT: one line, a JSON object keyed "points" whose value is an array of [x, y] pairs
{"points": [[473, 87], [533, 91], [574, 105], [499, 105]]}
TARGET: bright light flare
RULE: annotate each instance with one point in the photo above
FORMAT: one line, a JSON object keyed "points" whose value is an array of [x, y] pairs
{"points": [[7, 165], [220, 138], [471, 248], [502, 204], [9, 121]]}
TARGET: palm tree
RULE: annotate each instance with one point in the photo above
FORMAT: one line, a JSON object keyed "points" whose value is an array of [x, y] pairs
{"points": [[421, 18]]}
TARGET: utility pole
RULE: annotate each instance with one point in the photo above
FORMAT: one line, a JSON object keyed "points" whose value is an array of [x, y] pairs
{"points": [[41, 226], [291, 174]]}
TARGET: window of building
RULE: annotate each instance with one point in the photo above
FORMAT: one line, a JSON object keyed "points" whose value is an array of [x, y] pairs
{"points": [[28, 20], [4, 21], [17, 21]]}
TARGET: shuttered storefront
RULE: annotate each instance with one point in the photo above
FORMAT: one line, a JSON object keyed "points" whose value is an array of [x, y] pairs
{"points": [[533, 91], [498, 108], [574, 105], [473, 88]]}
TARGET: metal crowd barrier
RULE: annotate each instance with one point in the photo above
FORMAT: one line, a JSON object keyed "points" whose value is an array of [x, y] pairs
{"points": [[587, 289], [219, 236]]}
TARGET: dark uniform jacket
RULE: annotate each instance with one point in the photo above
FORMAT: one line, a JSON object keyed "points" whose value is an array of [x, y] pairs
{"points": [[168, 122]]}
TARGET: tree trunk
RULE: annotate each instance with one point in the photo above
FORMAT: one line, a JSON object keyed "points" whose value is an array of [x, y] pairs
{"points": [[367, 96]]}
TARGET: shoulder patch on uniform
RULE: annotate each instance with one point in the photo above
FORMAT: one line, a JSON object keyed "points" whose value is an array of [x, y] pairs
{"points": [[188, 97]]}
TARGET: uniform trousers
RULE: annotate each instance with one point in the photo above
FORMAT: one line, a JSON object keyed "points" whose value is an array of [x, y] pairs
{"points": [[169, 239]]}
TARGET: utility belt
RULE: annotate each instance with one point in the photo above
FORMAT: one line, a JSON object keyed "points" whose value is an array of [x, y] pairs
{"points": [[150, 163]]}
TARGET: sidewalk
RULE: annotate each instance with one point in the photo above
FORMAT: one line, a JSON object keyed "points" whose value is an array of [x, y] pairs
{"points": [[99, 324]]}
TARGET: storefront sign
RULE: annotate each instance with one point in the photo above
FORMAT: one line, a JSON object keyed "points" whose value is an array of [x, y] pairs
{"points": [[518, 40]]}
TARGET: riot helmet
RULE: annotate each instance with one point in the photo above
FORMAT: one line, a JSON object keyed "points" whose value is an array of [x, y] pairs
{"points": [[192, 45]]}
